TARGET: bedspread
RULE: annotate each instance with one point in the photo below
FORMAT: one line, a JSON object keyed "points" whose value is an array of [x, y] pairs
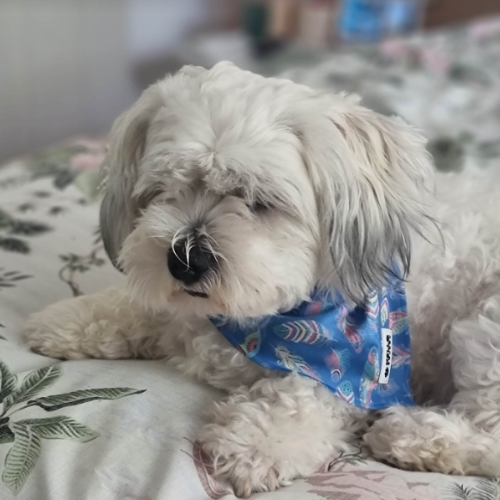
{"points": [[126, 430]]}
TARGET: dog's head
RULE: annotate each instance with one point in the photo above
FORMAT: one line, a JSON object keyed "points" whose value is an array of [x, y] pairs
{"points": [[227, 193]]}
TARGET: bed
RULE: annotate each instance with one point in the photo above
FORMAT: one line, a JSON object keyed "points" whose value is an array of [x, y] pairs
{"points": [[126, 429]]}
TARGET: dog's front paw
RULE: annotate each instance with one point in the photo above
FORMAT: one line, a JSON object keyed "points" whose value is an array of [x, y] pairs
{"points": [[84, 327], [245, 461], [262, 438], [431, 440], [56, 331]]}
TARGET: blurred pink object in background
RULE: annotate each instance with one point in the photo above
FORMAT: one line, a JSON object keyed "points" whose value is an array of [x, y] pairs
{"points": [[87, 161], [435, 61], [396, 49]]}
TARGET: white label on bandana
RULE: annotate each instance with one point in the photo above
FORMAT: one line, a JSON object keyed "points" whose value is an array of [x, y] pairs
{"points": [[386, 361]]}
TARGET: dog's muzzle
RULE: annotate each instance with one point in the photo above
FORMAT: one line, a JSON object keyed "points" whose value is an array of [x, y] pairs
{"points": [[190, 264]]}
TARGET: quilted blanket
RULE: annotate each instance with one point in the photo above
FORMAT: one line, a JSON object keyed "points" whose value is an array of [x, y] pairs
{"points": [[126, 430]]}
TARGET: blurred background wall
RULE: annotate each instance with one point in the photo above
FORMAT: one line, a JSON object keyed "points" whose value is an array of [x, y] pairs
{"points": [[69, 67]]}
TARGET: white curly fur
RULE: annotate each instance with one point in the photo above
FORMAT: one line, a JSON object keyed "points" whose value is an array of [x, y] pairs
{"points": [[344, 193]]}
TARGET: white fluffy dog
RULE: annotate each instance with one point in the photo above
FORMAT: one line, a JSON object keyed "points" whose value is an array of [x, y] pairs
{"points": [[273, 189]]}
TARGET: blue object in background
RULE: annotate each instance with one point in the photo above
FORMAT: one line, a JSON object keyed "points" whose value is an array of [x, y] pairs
{"points": [[402, 16], [373, 20], [362, 20]]}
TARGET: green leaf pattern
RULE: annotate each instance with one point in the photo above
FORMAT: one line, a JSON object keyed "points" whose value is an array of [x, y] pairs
{"points": [[19, 227], [482, 489], [34, 383], [60, 428], [52, 403], [6, 435], [8, 279], [22, 457], [8, 381], [27, 435], [14, 245]]}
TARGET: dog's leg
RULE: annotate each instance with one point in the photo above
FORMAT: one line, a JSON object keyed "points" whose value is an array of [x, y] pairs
{"points": [[279, 429], [465, 439], [107, 324], [434, 440]]}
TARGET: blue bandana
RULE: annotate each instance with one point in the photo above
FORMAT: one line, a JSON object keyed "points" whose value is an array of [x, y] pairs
{"points": [[362, 354]]}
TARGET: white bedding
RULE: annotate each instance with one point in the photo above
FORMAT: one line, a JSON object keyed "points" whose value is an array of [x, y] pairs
{"points": [[125, 430]]}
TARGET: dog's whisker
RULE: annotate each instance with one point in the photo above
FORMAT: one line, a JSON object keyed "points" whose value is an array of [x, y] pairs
{"points": [[177, 236], [209, 237], [216, 254], [188, 247], [175, 240]]}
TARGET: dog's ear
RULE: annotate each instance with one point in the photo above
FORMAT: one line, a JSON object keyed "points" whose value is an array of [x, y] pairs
{"points": [[119, 207], [372, 176]]}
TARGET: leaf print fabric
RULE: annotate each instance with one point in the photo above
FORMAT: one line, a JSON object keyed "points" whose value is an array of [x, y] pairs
{"points": [[10, 244], [8, 279], [8, 382], [10, 225], [53, 403], [22, 457], [34, 383], [27, 435], [419, 79], [59, 428]]}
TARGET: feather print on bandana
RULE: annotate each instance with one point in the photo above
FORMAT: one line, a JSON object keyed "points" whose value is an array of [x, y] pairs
{"points": [[314, 308], [295, 363], [354, 338], [250, 347], [338, 361], [306, 331], [384, 312], [369, 378], [387, 389], [337, 344], [345, 391], [398, 322], [372, 307], [318, 306], [400, 357], [343, 318]]}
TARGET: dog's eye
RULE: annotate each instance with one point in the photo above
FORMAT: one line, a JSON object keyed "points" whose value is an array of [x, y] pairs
{"points": [[258, 207], [147, 197]]}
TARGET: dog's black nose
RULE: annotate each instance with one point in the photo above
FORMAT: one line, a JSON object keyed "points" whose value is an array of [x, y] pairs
{"points": [[190, 269]]}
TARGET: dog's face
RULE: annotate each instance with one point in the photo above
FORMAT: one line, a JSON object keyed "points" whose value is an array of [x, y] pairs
{"points": [[235, 235], [231, 194]]}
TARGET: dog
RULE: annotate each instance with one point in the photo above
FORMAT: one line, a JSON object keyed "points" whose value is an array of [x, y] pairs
{"points": [[227, 194]]}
